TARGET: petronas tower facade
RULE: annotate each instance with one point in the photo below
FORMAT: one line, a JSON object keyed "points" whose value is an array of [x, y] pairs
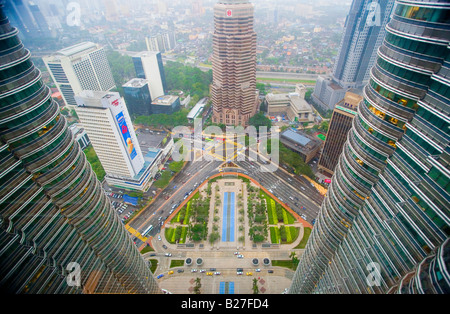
{"points": [[58, 232], [385, 222]]}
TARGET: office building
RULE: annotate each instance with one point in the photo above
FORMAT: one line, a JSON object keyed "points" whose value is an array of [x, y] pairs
{"points": [[305, 145], [233, 91], [363, 35], [149, 66], [166, 104], [293, 105], [55, 215], [161, 42], [80, 135], [137, 97], [387, 207], [340, 124], [105, 118], [80, 67]]}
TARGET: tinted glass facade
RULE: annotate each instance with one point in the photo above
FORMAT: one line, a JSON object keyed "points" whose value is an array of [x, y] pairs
{"points": [[388, 204], [53, 212]]}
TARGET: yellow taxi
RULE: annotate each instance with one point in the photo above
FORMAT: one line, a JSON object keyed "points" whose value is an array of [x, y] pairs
{"points": [[209, 274], [171, 272], [249, 274]]}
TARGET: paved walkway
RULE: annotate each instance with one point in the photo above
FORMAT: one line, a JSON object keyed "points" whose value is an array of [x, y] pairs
{"points": [[221, 255]]}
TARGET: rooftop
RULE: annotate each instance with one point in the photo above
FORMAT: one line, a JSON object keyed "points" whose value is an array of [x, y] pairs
{"points": [[75, 49], [197, 109], [166, 100], [146, 54], [296, 137], [136, 82]]}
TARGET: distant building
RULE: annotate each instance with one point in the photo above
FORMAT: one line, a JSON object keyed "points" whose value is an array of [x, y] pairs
{"points": [[305, 145], [293, 105], [197, 110], [166, 104], [137, 97], [80, 67], [340, 124], [364, 32], [105, 118], [233, 91], [161, 42], [80, 135], [149, 66]]}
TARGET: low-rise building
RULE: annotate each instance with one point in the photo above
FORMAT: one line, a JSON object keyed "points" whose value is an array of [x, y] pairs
{"points": [[305, 145], [293, 105], [166, 104]]}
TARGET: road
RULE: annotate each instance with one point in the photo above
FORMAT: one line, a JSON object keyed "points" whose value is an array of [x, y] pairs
{"points": [[306, 199]]}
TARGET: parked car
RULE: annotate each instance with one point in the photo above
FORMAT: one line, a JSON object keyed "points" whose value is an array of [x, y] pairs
{"points": [[170, 272], [217, 273], [270, 271], [168, 254], [180, 270], [164, 246], [160, 276], [193, 270]]}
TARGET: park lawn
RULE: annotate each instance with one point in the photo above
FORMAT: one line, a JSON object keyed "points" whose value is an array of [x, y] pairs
{"points": [[284, 263], [176, 263], [154, 263], [290, 219], [288, 235], [271, 211], [274, 235], [169, 233], [306, 234], [183, 235], [186, 216], [147, 249]]}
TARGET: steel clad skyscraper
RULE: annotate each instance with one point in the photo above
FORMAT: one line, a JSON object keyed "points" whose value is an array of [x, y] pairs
{"points": [[363, 34], [385, 222], [55, 221], [233, 90]]}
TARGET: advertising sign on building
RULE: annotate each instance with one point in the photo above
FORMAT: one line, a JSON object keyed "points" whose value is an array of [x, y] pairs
{"points": [[126, 135]]}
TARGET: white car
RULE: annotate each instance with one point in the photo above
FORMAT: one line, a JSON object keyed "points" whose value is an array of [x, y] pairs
{"points": [[240, 256], [168, 254], [258, 270], [159, 238], [194, 270]]}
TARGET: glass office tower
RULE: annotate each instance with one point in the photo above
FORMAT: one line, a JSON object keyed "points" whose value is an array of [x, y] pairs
{"points": [[54, 216], [384, 224]]}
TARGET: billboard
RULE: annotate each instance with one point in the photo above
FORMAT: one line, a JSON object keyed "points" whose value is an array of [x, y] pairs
{"points": [[126, 135]]}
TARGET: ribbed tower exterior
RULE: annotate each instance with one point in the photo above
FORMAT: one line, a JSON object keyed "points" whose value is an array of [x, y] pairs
{"points": [[54, 215], [233, 90], [387, 207]]}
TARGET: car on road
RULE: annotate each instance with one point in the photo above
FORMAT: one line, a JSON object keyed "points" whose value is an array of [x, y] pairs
{"points": [[239, 273], [209, 274], [164, 246], [193, 270], [212, 269], [240, 256], [303, 216], [270, 271], [159, 238], [168, 254], [202, 270], [160, 276], [170, 272], [236, 253], [217, 273], [303, 189], [249, 274], [258, 270], [291, 198], [180, 271]]}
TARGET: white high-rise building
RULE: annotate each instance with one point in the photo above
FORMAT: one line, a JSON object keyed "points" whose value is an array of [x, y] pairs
{"points": [[80, 67], [149, 66], [105, 118]]}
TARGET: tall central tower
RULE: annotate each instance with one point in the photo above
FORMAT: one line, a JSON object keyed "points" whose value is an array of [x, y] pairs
{"points": [[233, 90]]}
